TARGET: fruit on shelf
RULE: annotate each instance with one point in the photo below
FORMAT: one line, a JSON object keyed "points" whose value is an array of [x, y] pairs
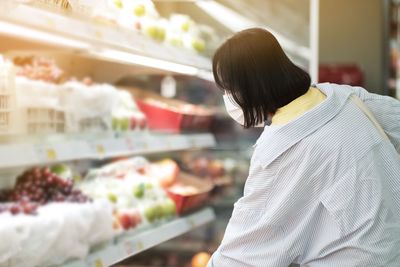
{"points": [[128, 219], [199, 45], [118, 4], [112, 198], [155, 32], [186, 26], [158, 211], [138, 190], [125, 221], [139, 10], [149, 186], [142, 121], [205, 167], [124, 124], [216, 168], [115, 123], [62, 170], [151, 213], [24, 207], [39, 186], [133, 123], [166, 171], [176, 41], [126, 115], [168, 208], [200, 259]]}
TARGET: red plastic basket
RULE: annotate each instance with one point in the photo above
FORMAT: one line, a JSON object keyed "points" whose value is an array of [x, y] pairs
{"points": [[164, 119], [187, 202]]}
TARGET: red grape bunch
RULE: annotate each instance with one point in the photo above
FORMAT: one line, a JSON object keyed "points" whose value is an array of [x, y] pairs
{"points": [[39, 186]]}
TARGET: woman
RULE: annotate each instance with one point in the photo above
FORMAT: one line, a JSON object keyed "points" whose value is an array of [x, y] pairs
{"points": [[324, 186]]}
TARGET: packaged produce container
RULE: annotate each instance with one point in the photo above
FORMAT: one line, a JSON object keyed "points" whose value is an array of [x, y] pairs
{"points": [[170, 115], [189, 192]]}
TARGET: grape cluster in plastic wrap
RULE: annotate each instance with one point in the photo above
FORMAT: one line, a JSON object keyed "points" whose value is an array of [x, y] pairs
{"points": [[36, 187]]}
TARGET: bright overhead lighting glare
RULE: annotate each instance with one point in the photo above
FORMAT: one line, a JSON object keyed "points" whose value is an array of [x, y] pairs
{"points": [[236, 22], [125, 57], [40, 36]]}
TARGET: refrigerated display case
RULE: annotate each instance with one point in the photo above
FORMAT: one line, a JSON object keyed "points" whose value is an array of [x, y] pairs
{"points": [[62, 62], [31, 33]]}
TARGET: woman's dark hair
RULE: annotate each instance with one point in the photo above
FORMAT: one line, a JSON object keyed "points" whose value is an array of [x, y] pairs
{"points": [[252, 68]]}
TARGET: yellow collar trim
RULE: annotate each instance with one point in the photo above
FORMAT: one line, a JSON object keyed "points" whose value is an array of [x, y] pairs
{"points": [[298, 107]]}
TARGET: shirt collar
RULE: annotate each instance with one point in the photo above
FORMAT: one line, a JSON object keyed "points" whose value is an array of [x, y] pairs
{"points": [[312, 98]]}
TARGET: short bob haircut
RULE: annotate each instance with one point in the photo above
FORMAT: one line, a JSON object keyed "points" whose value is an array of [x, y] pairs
{"points": [[252, 68]]}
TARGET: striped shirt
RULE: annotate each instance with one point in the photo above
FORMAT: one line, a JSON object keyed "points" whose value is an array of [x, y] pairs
{"points": [[323, 190]]}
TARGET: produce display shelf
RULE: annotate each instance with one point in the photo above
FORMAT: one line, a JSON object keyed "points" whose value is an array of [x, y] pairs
{"points": [[89, 147], [90, 37], [131, 245]]}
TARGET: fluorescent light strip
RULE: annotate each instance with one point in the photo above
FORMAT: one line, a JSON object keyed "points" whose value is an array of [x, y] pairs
{"points": [[126, 57], [110, 54], [236, 22], [40, 36]]}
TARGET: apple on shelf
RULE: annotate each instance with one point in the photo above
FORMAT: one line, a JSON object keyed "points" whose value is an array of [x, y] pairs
{"points": [[165, 171]]}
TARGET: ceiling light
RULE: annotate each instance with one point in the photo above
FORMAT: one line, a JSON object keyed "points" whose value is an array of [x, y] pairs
{"points": [[125, 57], [40, 36]]}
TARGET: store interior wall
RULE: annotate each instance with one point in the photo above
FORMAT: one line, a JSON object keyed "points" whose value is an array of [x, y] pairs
{"points": [[352, 32]]}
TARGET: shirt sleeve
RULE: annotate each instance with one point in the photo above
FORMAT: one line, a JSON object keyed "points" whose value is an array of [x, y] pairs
{"points": [[386, 110], [253, 237], [248, 243]]}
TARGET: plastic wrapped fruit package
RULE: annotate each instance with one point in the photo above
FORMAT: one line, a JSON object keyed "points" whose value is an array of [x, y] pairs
{"points": [[38, 107], [132, 12], [126, 115], [119, 168], [59, 232], [154, 28], [88, 108], [134, 189], [188, 31], [36, 93]]}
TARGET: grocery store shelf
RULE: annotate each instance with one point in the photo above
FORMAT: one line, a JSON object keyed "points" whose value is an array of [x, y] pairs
{"points": [[97, 40], [131, 245], [90, 147]]}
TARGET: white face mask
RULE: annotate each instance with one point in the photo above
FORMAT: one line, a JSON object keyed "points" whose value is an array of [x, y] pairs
{"points": [[235, 111]]}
